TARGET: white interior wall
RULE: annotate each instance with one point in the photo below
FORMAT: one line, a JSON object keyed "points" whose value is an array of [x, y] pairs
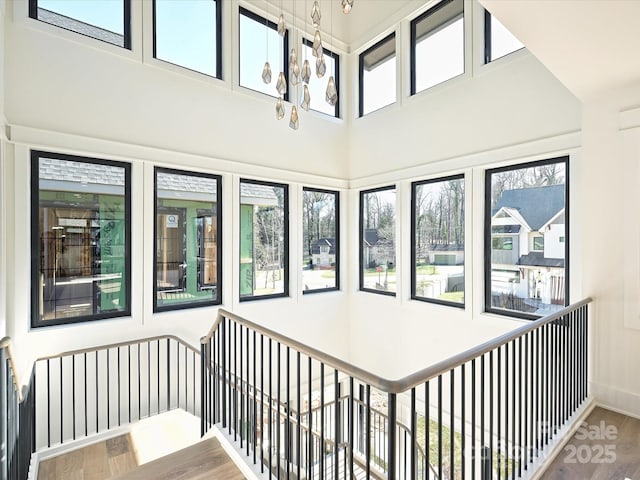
{"points": [[132, 108]]}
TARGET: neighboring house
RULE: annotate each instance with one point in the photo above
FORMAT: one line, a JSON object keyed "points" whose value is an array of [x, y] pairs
{"points": [[450, 254], [323, 253], [528, 244], [376, 251]]}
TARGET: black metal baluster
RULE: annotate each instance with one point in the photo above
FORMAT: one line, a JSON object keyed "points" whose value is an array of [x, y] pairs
{"points": [[249, 420], [61, 404], [270, 412], [498, 453], [520, 416], [452, 426], [414, 431], [255, 398], [482, 409], [118, 388], [322, 407], [97, 397], [491, 449], [513, 410], [139, 384], [73, 395], [439, 426], [463, 409], [287, 422], [129, 368], [278, 388], [525, 442], [391, 438], [204, 427], [351, 424], [49, 403], [262, 403], [474, 447], [86, 407], [241, 425], [158, 374], [148, 379], [336, 418], [310, 421]]}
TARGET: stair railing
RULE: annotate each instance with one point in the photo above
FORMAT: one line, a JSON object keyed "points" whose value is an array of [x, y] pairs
{"points": [[16, 418], [488, 412], [91, 390]]}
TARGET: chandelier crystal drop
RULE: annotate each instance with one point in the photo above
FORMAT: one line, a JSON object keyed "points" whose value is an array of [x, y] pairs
{"points": [[293, 121], [332, 93], [317, 44], [279, 109], [306, 71], [294, 73], [306, 98], [315, 14], [281, 85], [282, 27], [321, 66], [266, 73], [347, 5]]}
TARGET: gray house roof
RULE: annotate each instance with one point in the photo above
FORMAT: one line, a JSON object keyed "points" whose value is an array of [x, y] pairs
{"points": [[78, 26], [537, 205], [537, 259], [257, 194], [315, 248], [80, 172], [371, 237], [186, 183]]}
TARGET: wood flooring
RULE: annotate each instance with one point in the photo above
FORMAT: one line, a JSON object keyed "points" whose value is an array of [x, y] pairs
{"points": [[605, 447], [115, 459]]}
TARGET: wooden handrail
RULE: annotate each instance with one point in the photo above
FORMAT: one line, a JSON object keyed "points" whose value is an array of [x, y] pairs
{"points": [[7, 345], [410, 381]]}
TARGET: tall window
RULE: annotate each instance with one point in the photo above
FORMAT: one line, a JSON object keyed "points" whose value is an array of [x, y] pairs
{"points": [[188, 223], [197, 47], [321, 240], [526, 224], [105, 20], [437, 45], [378, 240], [437, 225], [260, 42], [498, 41], [318, 86], [378, 75], [264, 240], [80, 239]]}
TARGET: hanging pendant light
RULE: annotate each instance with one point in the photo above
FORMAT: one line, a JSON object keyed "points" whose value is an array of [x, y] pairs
{"points": [[282, 27], [266, 73], [279, 109], [294, 73], [315, 14], [281, 85], [347, 5], [321, 66], [317, 44], [306, 71], [293, 121], [306, 98], [332, 93]]}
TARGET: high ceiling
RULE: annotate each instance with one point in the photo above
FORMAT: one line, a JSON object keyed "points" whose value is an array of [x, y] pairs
{"points": [[591, 46]]}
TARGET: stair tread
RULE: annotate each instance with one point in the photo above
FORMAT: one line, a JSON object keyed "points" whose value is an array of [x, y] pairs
{"points": [[203, 460]]}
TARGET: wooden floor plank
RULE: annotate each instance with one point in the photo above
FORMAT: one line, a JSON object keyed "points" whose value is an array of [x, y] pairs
{"points": [[204, 460]]}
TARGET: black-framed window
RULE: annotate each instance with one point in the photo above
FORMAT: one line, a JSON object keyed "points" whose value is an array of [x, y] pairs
{"points": [[105, 20], [437, 45], [80, 239], [187, 239], [527, 238], [498, 41], [321, 240], [264, 239], [260, 42], [378, 240], [198, 47], [318, 86], [437, 247], [377, 75]]}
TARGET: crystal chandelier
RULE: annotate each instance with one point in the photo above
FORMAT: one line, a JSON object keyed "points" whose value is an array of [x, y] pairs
{"points": [[300, 76]]}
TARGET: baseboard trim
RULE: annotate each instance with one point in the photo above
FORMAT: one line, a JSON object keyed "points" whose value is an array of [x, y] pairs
{"points": [[621, 401]]}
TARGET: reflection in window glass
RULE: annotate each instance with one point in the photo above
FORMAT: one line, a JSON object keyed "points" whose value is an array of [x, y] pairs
{"points": [[106, 20], [378, 240], [264, 237], [187, 233], [259, 42], [378, 75], [438, 240], [318, 86], [437, 45], [320, 237], [196, 47], [81, 233], [525, 269], [498, 40]]}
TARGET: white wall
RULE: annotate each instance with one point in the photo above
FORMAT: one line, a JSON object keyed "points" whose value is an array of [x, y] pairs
{"points": [[74, 95], [611, 154]]}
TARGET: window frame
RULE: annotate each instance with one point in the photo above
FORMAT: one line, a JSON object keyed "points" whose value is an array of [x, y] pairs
{"points": [[35, 235], [361, 286], [379, 43], [487, 52], [336, 74], [413, 41], [33, 14], [285, 45], [219, 49], [285, 240], [414, 186], [336, 195], [488, 308], [217, 300]]}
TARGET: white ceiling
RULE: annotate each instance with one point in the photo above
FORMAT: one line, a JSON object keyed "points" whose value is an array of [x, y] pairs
{"points": [[591, 46]]}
